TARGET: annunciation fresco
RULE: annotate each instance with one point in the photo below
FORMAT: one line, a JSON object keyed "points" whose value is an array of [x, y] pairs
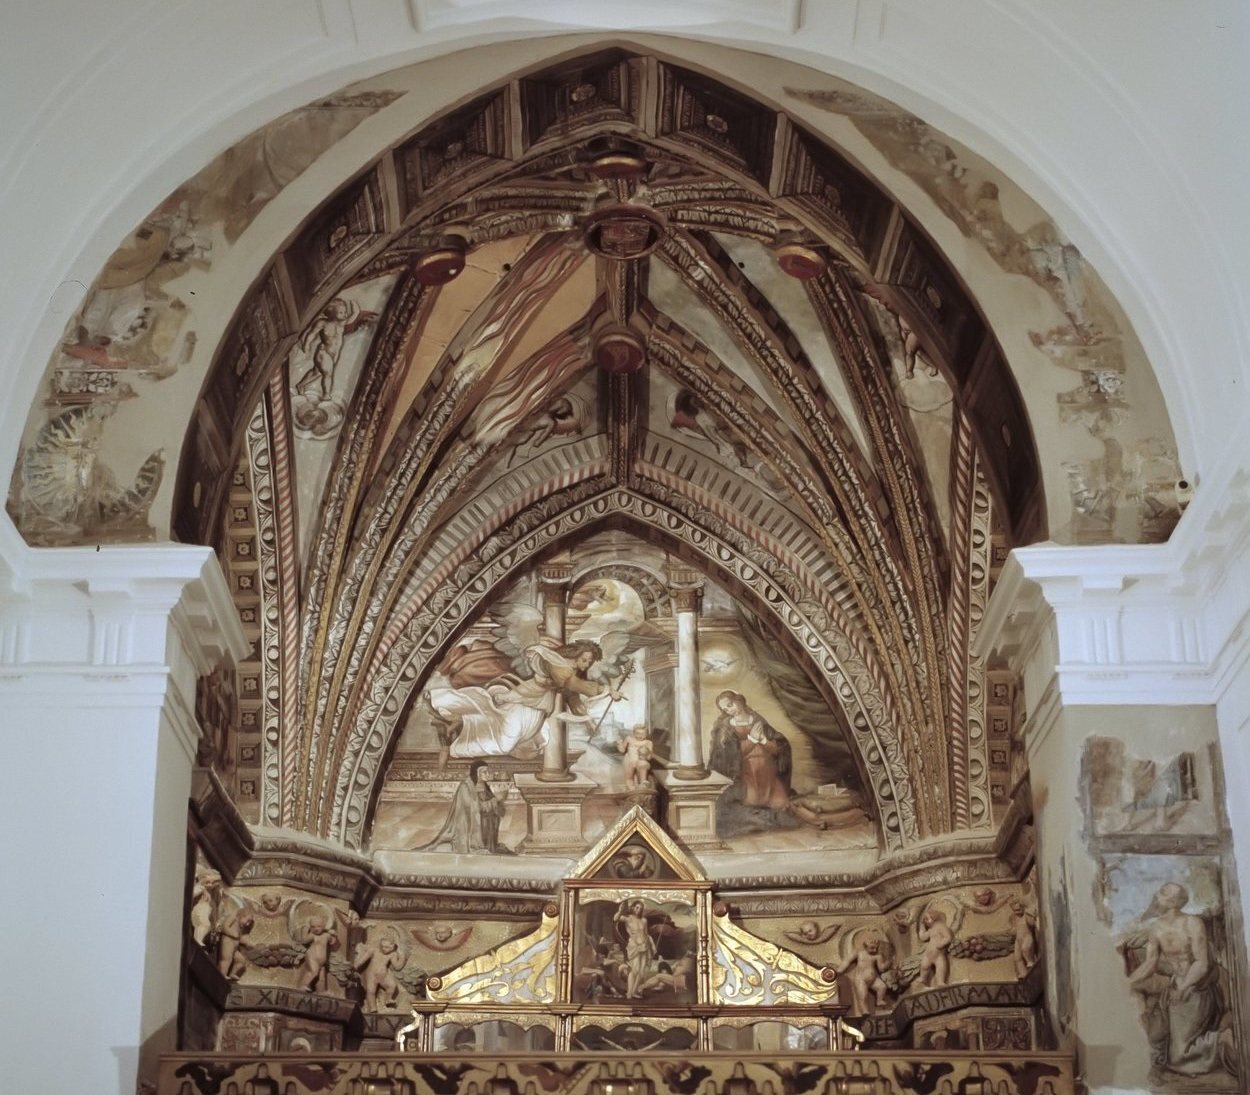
{"points": [[591, 670]]}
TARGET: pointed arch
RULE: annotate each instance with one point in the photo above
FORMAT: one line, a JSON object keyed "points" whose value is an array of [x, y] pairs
{"points": [[764, 581]]}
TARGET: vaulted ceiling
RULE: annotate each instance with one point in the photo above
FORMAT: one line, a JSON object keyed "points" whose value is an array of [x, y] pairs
{"points": [[614, 294]]}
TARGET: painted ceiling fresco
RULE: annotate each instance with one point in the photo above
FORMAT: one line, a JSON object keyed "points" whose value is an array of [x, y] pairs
{"points": [[614, 310], [606, 475], [613, 450]]}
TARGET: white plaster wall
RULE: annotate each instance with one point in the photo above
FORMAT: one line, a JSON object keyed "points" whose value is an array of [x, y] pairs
{"points": [[94, 860], [99, 654], [1124, 119]]}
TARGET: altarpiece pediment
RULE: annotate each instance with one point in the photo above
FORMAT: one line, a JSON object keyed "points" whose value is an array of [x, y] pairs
{"points": [[637, 931]]}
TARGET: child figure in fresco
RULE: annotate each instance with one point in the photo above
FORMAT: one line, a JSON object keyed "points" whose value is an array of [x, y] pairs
{"points": [[638, 751]]}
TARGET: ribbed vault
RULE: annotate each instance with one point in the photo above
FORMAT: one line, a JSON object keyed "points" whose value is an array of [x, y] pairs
{"points": [[596, 325]]}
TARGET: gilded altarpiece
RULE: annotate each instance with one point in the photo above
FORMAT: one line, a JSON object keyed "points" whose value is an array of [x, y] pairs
{"points": [[636, 956], [637, 979]]}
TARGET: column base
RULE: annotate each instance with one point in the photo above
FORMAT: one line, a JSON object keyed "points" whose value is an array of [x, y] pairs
{"points": [[690, 807], [554, 813], [564, 776]]}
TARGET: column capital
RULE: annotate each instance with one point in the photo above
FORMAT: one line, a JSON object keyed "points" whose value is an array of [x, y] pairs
{"points": [[555, 574], [1134, 623], [553, 593], [687, 598], [114, 609]]}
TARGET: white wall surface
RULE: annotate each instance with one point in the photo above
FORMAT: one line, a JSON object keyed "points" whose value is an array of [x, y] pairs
{"points": [[1125, 119]]}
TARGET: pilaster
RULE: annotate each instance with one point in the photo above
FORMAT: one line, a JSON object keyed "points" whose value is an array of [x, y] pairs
{"points": [[1133, 662], [100, 650]]}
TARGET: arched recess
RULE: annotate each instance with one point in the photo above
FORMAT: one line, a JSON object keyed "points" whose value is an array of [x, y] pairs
{"points": [[811, 184], [423, 555], [683, 529], [766, 177], [656, 600]]}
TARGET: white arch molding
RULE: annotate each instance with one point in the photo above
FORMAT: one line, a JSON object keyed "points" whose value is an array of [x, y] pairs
{"points": [[110, 104], [1087, 139]]}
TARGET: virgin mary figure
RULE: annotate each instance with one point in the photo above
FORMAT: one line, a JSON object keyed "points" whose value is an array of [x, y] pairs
{"points": [[757, 758], [510, 719]]}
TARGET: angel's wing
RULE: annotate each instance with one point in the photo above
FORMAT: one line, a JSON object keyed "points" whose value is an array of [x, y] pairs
{"points": [[518, 626], [619, 648], [403, 947], [230, 907], [954, 911], [823, 935], [412, 979], [295, 917], [616, 655], [342, 971], [456, 939]]}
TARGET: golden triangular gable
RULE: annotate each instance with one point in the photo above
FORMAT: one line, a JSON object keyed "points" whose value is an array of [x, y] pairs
{"points": [[639, 827]]}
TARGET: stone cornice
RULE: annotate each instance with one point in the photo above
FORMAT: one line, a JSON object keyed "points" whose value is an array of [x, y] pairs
{"points": [[1143, 624], [82, 608]]}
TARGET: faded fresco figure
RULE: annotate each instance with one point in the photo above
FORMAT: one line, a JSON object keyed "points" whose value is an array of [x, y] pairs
{"points": [[1177, 984], [638, 751], [1159, 794], [751, 753], [747, 749], [472, 823], [322, 343], [510, 719], [316, 412]]}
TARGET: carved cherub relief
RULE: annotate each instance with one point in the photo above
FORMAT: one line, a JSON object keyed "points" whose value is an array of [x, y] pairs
{"points": [[378, 961], [868, 959]]}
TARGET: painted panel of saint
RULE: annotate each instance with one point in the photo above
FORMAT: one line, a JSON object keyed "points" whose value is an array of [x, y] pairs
{"points": [[635, 949]]}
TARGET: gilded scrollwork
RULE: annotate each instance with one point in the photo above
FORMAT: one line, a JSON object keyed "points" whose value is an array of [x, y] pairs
{"points": [[522, 971], [748, 970]]}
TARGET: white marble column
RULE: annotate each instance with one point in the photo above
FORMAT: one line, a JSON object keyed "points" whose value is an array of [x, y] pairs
{"points": [[553, 587], [99, 655], [690, 791], [688, 731]]}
